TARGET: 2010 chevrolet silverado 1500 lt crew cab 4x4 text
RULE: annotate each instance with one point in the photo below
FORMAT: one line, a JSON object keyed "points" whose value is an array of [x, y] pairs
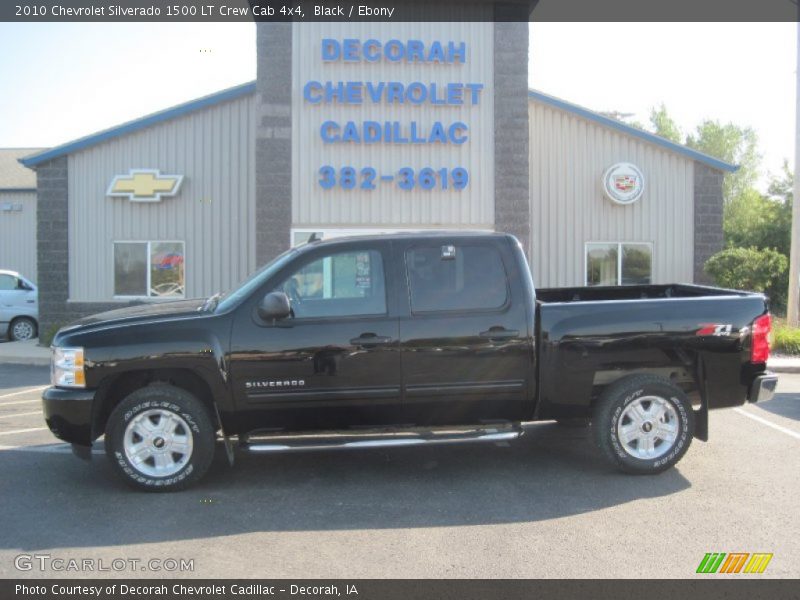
{"points": [[397, 340]]}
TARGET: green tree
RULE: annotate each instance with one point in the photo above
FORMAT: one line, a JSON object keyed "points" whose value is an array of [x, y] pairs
{"points": [[782, 187], [664, 125], [733, 144], [748, 269], [755, 221], [761, 224]]}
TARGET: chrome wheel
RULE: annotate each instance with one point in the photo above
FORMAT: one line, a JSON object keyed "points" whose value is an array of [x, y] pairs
{"points": [[648, 427], [22, 330], [158, 443]]}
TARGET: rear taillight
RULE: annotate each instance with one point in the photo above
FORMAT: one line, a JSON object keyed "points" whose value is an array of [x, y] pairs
{"points": [[759, 350]]}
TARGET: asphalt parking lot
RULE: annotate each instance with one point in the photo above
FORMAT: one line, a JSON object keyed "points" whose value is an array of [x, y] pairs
{"points": [[544, 506]]}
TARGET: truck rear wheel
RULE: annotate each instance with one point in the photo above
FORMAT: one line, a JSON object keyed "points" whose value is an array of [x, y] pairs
{"points": [[643, 424], [160, 439]]}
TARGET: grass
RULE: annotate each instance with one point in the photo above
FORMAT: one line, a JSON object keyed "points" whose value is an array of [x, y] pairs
{"points": [[785, 339]]}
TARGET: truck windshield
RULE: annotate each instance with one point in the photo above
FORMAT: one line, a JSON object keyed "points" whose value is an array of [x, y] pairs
{"points": [[252, 283]]}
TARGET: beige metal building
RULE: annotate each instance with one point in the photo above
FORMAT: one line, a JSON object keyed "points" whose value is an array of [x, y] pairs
{"points": [[17, 213], [371, 127]]}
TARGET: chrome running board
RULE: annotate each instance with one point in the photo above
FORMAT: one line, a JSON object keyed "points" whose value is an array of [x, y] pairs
{"points": [[377, 438]]}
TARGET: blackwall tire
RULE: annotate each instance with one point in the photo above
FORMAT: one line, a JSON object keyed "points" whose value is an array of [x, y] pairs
{"points": [[643, 424], [22, 328], [160, 439]]}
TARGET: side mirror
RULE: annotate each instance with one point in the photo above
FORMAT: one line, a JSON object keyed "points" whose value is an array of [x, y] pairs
{"points": [[274, 305]]}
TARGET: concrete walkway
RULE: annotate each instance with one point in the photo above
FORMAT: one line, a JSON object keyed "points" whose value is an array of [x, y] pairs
{"points": [[29, 353], [784, 364], [24, 353]]}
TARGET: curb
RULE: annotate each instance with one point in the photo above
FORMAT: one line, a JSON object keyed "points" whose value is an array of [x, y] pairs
{"points": [[23, 353], [784, 368], [23, 361]]}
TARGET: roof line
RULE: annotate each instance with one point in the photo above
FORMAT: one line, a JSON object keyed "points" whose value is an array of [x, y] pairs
{"points": [[250, 87], [633, 131], [16, 190], [140, 123]]}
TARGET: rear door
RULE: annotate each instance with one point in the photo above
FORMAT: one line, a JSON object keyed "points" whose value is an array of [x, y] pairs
{"points": [[463, 332]]}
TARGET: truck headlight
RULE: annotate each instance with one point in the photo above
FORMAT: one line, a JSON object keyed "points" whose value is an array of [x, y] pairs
{"points": [[66, 368]]}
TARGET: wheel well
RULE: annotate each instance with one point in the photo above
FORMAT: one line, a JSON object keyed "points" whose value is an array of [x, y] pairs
{"points": [[120, 387], [680, 375], [18, 317]]}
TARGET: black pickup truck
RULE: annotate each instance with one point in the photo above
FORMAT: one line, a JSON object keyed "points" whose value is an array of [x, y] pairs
{"points": [[400, 340]]}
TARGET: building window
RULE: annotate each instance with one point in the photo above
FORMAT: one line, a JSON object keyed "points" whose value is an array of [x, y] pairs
{"points": [[619, 263], [149, 269], [301, 236]]}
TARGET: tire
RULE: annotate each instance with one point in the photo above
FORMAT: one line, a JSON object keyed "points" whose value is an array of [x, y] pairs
{"points": [[643, 424], [172, 432], [22, 328], [573, 423]]}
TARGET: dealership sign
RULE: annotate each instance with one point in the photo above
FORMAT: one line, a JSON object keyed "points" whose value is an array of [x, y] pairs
{"points": [[144, 185], [398, 97], [623, 183]]}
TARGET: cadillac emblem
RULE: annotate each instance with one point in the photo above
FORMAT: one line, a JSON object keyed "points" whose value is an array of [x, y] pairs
{"points": [[623, 183]]}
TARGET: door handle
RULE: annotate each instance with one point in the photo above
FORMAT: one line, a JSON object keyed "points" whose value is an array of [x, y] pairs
{"points": [[370, 339], [499, 333]]}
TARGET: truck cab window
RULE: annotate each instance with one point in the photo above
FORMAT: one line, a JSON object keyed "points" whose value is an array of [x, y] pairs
{"points": [[341, 284], [456, 278]]}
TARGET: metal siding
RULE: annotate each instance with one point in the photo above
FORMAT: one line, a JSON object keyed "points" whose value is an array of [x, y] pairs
{"points": [[18, 234], [388, 205], [568, 156], [213, 213]]}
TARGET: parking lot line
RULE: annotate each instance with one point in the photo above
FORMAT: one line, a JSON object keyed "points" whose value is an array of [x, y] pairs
{"points": [[20, 392], [38, 412], [20, 402], [789, 432], [23, 430]]}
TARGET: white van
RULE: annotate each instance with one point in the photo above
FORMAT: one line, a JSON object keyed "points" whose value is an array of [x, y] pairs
{"points": [[19, 307]]}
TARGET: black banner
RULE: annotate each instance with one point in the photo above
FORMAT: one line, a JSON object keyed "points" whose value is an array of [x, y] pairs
{"points": [[623, 12], [404, 589]]}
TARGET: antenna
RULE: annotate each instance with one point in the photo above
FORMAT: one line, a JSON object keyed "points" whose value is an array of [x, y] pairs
{"points": [[313, 238]]}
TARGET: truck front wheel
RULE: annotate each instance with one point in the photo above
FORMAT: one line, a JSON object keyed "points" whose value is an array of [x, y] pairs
{"points": [[160, 438], [643, 424]]}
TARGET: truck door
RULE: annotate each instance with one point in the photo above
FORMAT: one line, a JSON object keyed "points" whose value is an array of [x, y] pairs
{"points": [[335, 361], [464, 335]]}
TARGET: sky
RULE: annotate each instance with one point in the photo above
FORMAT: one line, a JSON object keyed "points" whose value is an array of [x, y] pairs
{"points": [[65, 81], [742, 73]]}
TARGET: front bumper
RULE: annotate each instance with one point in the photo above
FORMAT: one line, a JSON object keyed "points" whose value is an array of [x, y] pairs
{"points": [[68, 414], [763, 387]]}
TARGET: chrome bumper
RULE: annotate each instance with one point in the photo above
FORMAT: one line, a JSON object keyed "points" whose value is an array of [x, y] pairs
{"points": [[763, 387]]}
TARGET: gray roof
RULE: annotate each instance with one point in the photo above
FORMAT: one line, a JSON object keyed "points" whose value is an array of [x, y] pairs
{"points": [[13, 176]]}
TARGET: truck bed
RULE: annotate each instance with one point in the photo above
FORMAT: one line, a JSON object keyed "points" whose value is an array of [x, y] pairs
{"points": [[589, 336]]}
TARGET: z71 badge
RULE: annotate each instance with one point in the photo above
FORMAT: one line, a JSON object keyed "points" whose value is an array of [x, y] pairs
{"points": [[717, 329]]}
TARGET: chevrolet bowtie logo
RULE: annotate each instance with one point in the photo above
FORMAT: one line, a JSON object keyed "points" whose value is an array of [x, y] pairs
{"points": [[144, 185]]}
